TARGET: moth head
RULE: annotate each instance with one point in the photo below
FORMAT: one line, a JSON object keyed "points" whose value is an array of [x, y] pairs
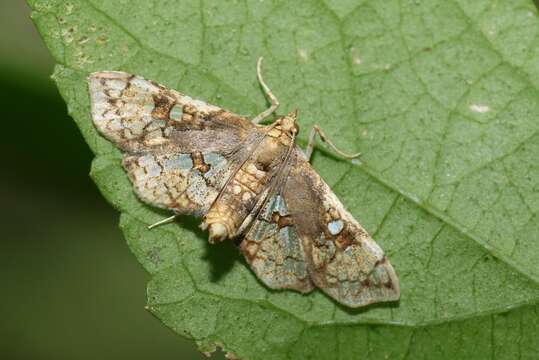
{"points": [[288, 123]]}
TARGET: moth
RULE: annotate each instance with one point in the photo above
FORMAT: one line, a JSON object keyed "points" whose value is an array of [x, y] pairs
{"points": [[248, 182]]}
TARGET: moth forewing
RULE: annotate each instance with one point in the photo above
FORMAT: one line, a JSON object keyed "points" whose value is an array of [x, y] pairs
{"points": [[178, 152]]}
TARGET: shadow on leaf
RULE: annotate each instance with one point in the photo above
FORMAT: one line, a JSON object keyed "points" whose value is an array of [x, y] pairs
{"points": [[222, 257], [360, 310]]}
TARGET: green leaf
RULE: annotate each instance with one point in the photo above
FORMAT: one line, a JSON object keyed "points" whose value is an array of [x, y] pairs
{"points": [[441, 97]]}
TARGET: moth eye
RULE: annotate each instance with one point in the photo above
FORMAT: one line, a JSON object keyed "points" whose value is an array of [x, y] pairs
{"points": [[296, 128]]}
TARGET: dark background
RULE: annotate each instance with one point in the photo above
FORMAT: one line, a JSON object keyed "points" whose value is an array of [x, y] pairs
{"points": [[70, 288]]}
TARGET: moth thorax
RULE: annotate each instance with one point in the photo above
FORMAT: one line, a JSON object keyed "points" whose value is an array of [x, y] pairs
{"points": [[270, 149]]}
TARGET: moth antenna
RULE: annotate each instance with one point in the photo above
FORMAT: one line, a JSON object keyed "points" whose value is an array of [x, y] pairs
{"points": [[267, 91]]}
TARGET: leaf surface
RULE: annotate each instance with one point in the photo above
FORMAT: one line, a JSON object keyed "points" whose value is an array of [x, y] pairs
{"points": [[441, 97]]}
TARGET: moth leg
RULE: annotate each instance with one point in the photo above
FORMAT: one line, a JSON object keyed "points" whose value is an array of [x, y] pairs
{"points": [[274, 102], [162, 222], [312, 137]]}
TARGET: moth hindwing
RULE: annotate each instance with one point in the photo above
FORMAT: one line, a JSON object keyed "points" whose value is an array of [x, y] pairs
{"points": [[246, 181]]}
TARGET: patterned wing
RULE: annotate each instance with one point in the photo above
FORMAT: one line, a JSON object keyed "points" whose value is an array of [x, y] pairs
{"points": [[274, 250], [178, 151], [342, 259]]}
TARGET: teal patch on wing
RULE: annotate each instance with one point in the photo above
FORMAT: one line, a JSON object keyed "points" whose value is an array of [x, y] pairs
{"points": [[178, 162], [171, 181], [273, 249], [176, 112], [219, 168]]}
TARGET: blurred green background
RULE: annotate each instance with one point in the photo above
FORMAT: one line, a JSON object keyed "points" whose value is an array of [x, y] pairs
{"points": [[70, 287]]}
